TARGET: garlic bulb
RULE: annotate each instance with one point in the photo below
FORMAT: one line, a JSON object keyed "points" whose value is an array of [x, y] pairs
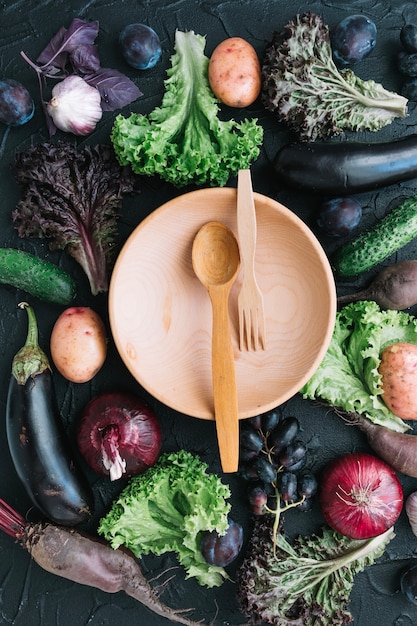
{"points": [[75, 106], [411, 510]]}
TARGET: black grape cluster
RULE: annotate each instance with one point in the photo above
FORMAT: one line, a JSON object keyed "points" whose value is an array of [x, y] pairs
{"points": [[273, 459], [407, 60]]}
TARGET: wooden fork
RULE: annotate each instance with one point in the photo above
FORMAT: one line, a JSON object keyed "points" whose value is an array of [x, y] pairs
{"points": [[252, 334]]}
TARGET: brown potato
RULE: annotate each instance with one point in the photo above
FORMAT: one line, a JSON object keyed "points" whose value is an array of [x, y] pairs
{"points": [[235, 73], [398, 369], [78, 344]]}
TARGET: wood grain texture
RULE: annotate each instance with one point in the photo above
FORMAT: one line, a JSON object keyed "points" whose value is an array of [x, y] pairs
{"points": [[161, 317]]}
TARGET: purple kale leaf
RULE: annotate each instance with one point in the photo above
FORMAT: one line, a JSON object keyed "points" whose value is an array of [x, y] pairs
{"points": [[72, 197]]}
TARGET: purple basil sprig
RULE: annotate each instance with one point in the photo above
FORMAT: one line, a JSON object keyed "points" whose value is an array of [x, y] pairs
{"points": [[73, 50]]}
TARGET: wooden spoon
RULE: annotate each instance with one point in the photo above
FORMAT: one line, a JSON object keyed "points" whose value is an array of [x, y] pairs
{"points": [[215, 258]]}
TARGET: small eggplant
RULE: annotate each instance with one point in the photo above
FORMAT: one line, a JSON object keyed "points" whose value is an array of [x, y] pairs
{"points": [[346, 167], [37, 439]]}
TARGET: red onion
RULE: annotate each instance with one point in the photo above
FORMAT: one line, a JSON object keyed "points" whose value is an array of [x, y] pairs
{"points": [[360, 496], [118, 435]]}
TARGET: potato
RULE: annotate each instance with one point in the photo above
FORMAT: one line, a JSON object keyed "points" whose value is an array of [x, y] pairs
{"points": [[398, 369], [78, 344], [235, 73]]}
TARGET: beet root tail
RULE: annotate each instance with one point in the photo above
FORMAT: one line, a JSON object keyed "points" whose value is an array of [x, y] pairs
{"points": [[11, 522]]}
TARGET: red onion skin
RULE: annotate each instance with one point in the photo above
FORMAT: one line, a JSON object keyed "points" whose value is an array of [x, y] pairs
{"points": [[122, 428], [360, 496]]}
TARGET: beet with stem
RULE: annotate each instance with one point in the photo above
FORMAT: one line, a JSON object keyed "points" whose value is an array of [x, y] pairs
{"points": [[85, 560], [395, 287]]}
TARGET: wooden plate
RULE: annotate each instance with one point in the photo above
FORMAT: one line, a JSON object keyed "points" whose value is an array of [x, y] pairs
{"points": [[160, 314]]}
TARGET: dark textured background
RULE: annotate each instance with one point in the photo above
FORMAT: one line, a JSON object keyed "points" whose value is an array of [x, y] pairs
{"points": [[31, 596]]}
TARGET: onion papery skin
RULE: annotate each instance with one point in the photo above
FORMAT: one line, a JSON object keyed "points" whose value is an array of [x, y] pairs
{"points": [[360, 496], [118, 435]]}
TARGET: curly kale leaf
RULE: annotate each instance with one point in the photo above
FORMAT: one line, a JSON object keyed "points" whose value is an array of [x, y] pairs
{"points": [[305, 89], [72, 197], [306, 583], [183, 141]]}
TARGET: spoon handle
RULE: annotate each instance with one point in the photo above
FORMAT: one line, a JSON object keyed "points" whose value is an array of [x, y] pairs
{"points": [[224, 382]]}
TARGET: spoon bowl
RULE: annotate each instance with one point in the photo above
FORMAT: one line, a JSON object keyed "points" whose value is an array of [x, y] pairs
{"points": [[215, 255], [216, 261]]}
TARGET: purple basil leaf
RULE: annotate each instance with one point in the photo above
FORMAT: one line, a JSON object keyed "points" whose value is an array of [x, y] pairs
{"points": [[51, 52], [85, 59], [116, 89], [65, 41]]}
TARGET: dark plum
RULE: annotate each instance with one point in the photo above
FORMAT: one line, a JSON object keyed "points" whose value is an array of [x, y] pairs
{"points": [[269, 421], [407, 64], [408, 37], [221, 550], [339, 216], [353, 39], [287, 486], [408, 583], [141, 46], [283, 434], [16, 104]]}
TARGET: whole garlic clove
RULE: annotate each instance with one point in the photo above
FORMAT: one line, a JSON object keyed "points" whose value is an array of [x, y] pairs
{"points": [[75, 106]]}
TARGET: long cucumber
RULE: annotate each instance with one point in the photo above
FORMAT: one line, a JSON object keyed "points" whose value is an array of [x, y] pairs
{"points": [[373, 246], [36, 276]]}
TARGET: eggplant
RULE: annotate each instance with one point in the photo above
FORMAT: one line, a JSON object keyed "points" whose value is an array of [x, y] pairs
{"points": [[37, 439], [346, 167]]}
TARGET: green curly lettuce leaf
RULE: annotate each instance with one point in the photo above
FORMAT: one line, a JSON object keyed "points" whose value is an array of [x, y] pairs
{"points": [[184, 141], [166, 509], [306, 583], [348, 376], [303, 86]]}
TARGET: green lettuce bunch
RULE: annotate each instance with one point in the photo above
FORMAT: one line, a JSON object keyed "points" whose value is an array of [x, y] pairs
{"points": [[184, 141], [166, 509], [348, 376]]}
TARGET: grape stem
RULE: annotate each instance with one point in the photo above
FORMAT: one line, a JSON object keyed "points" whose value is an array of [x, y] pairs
{"points": [[277, 513]]}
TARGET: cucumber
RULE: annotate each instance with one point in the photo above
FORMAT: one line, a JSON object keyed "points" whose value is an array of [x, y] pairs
{"points": [[375, 245], [36, 276]]}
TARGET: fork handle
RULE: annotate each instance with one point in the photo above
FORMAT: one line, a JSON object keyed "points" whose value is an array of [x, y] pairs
{"points": [[246, 219]]}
